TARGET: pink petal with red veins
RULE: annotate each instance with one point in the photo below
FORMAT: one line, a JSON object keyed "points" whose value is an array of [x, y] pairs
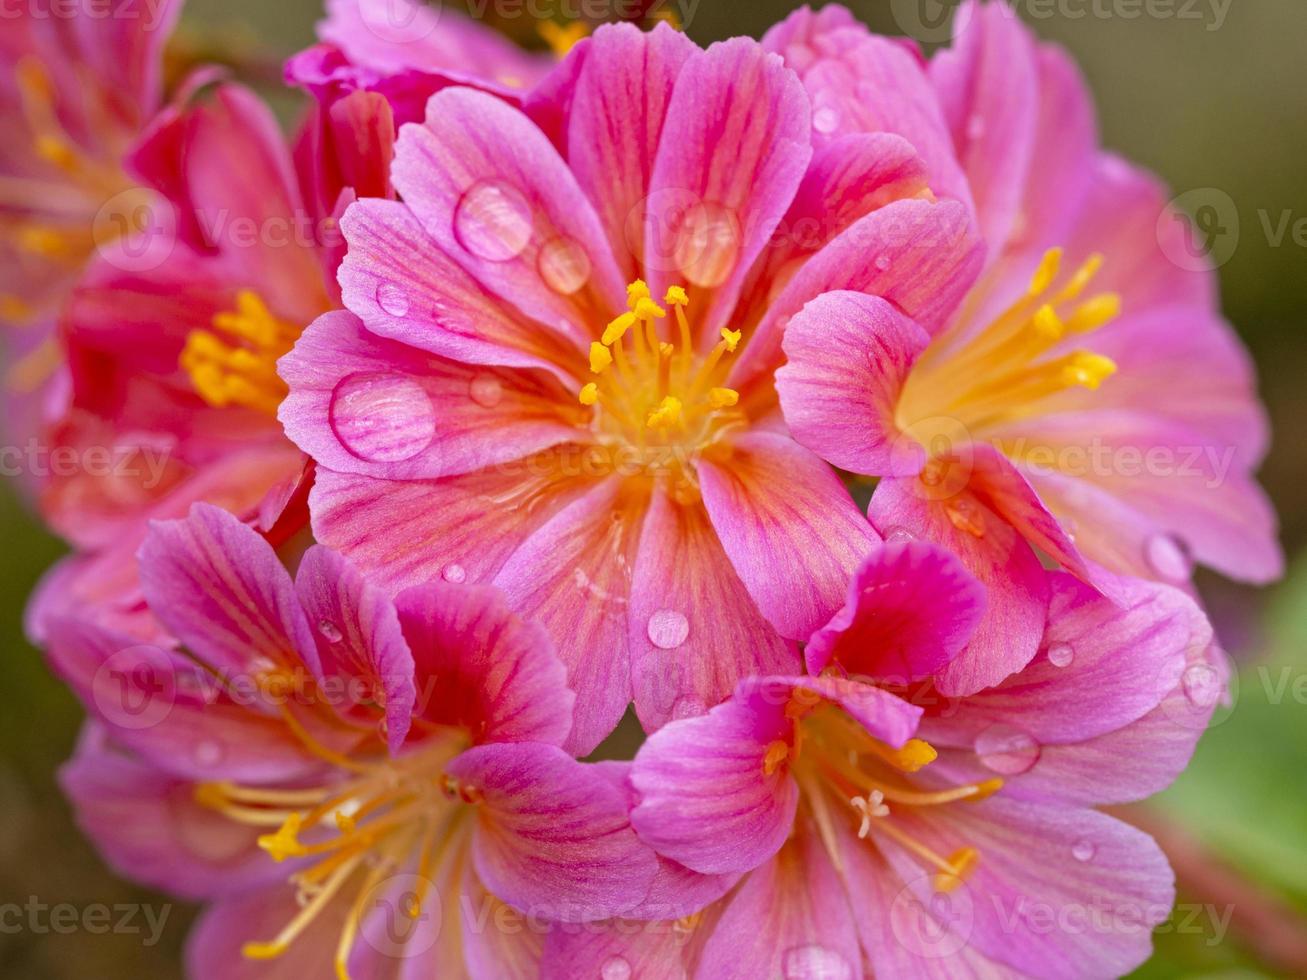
{"points": [[694, 630], [789, 526], [481, 668]]}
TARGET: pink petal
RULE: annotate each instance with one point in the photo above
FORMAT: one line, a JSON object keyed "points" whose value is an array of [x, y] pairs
{"points": [[640, 951], [694, 630], [220, 588], [732, 154], [849, 356], [492, 193], [911, 609], [362, 404], [359, 640], [617, 115], [572, 577], [213, 948], [789, 526], [481, 668], [990, 549], [552, 836]]}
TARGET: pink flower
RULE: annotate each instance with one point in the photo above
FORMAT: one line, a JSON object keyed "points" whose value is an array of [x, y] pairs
{"points": [[346, 779], [1083, 399], [892, 831], [76, 90], [538, 382], [172, 351]]}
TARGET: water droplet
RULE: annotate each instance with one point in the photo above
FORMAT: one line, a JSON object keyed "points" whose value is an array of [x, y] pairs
{"points": [[976, 127], [1061, 654], [813, 962], [615, 968], [493, 221], [1202, 685], [486, 390], [708, 245], [668, 629], [392, 298], [564, 265], [330, 630], [454, 572], [826, 120], [883, 263], [1083, 850], [1168, 557], [1006, 749], [208, 753], [382, 418], [898, 534], [689, 706]]}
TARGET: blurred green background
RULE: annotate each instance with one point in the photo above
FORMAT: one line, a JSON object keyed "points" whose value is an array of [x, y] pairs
{"points": [[1209, 95]]}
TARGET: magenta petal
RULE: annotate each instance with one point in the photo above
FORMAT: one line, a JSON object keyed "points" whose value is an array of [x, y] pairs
{"points": [[617, 116], [640, 951], [358, 639], [706, 800], [789, 526], [732, 154], [213, 948], [219, 587], [361, 404], [694, 631], [912, 607], [552, 837], [1016, 584], [482, 668], [495, 196], [849, 355]]}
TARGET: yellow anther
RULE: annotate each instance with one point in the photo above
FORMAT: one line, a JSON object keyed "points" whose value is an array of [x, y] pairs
{"points": [[1084, 275], [210, 795], [589, 394], [963, 862], [636, 291], [600, 357], [344, 822], [562, 38], [913, 756], [985, 790], [1048, 269], [777, 753], [646, 309], [1088, 370], [616, 330], [1094, 313], [676, 296], [285, 842], [264, 951], [723, 397], [732, 339], [666, 415], [1048, 324]]}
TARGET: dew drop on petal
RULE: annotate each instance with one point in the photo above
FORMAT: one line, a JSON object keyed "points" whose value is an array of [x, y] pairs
{"points": [[563, 265], [897, 533], [708, 244], [208, 753], [1083, 850], [689, 706], [1202, 685], [615, 968], [826, 120], [486, 390], [392, 298], [493, 221], [330, 631], [382, 418], [883, 263], [668, 629], [1006, 749], [453, 572], [813, 962], [1168, 558], [1061, 654]]}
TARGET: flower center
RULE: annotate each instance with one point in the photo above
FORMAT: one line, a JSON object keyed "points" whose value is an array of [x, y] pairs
{"points": [[842, 762], [373, 820], [652, 394], [1011, 368], [236, 362]]}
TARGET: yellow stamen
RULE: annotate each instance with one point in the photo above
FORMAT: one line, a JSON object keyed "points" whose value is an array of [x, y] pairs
{"points": [[1088, 370], [285, 842], [777, 753], [666, 415], [617, 328], [962, 862], [240, 370], [676, 296], [731, 339], [723, 397], [636, 291], [589, 394], [600, 358], [1049, 266]]}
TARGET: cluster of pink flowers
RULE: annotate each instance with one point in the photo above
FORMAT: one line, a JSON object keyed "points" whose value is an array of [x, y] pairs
{"points": [[561, 384]]}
